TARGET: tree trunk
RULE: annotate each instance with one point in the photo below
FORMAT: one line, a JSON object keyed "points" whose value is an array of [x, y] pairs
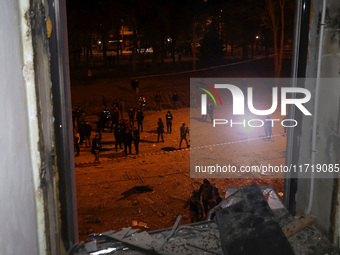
{"points": [[162, 52], [282, 3], [173, 50], [275, 26], [87, 56], [276, 57], [118, 44], [91, 55], [104, 45], [194, 47], [252, 49]]}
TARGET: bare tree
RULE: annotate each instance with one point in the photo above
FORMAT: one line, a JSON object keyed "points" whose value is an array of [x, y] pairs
{"points": [[276, 22]]}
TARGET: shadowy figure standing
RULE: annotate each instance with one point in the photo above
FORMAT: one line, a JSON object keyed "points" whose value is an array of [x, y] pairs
{"points": [[127, 138], [134, 85], [137, 85], [115, 117], [136, 139], [158, 99], [76, 141], [131, 117], [174, 101], [108, 117], [140, 119], [96, 146], [210, 111], [169, 119], [284, 128], [184, 131], [195, 207], [99, 127], [80, 125], [206, 190], [118, 134], [268, 128], [160, 129], [87, 129], [102, 118]]}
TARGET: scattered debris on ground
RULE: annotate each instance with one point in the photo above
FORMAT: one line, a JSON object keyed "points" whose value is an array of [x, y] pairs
{"points": [[250, 220]]}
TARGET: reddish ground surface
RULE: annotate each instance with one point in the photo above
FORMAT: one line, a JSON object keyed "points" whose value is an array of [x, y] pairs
{"points": [[101, 205]]}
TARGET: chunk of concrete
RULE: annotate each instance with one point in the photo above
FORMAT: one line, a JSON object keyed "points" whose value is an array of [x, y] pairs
{"points": [[249, 227]]}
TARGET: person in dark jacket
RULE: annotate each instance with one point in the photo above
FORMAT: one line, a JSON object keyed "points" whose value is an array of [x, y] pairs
{"points": [[158, 99], [285, 127], [80, 117], [184, 131], [268, 128], [118, 134], [174, 100], [74, 115], [99, 127], [140, 119], [210, 111], [96, 147], [169, 119], [131, 117], [160, 129], [102, 119], [86, 130], [80, 125], [115, 117], [206, 190], [136, 139], [127, 138], [195, 206], [108, 117], [133, 83], [76, 140], [136, 85]]}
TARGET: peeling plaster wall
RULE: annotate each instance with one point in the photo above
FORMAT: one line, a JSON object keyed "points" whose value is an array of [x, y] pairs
{"points": [[330, 134], [18, 211], [28, 214], [328, 142]]}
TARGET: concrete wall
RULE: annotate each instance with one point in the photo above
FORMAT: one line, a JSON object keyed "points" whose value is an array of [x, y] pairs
{"points": [[328, 142], [28, 214], [18, 211]]}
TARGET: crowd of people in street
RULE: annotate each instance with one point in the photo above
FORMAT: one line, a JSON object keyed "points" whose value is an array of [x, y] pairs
{"points": [[127, 127], [126, 131]]}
